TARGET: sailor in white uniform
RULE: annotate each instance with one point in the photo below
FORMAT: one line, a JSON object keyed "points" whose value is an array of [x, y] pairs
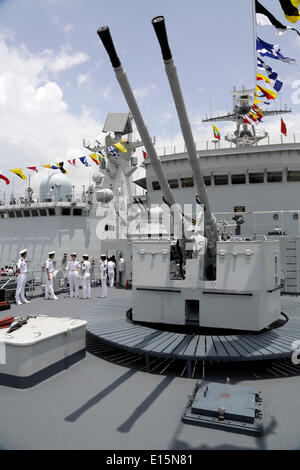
{"points": [[103, 275], [111, 272], [49, 292], [21, 279], [74, 270], [51, 192], [86, 277]]}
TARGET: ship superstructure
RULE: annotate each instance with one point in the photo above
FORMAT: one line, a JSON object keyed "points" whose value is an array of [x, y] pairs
{"points": [[251, 173], [63, 222], [245, 133]]}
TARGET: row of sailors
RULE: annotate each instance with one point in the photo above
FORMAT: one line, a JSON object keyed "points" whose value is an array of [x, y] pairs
{"points": [[107, 268]]}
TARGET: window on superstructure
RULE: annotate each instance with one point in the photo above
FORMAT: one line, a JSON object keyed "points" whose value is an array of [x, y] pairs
{"points": [[173, 184], [256, 178], [238, 179], [187, 182], [51, 211], [220, 180], [43, 212], [66, 211], [77, 211], [34, 212], [293, 176], [274, 177], [155, 185], [207, 180]]}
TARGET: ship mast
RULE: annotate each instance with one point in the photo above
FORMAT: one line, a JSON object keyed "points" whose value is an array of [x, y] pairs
{"points": [[245, 134]]}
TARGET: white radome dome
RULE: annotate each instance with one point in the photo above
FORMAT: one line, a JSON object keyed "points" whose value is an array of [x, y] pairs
{"points": [[61, 184], [98, 178]]}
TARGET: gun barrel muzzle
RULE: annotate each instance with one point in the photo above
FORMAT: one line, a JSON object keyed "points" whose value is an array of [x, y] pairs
{"points": [[105, 36], [161, 33]]}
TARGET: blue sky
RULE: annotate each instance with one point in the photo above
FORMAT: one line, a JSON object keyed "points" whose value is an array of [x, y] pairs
{"points": [[52, 56]]}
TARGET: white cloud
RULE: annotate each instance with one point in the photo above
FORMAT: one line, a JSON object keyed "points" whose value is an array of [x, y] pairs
{"points": [[106, 92], [82, 79], [64, 60], [36, 126], [68, 28], [145, 91]]}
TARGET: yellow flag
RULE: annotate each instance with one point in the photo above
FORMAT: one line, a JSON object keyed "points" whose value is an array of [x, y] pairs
{"points": [[47, 166], [121, 147], [260, 76], [291, 10], [19, 172], [269, 94], [95, 158]]}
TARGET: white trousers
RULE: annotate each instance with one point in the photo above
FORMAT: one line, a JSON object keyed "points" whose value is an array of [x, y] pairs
{"points": [[104, 286], [74, 283], [49, 292], [111, 277], [20, 292], [86, 286]]}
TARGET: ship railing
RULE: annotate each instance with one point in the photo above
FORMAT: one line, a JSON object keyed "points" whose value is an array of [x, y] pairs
{"points": [[270, 139], [261, 222]]}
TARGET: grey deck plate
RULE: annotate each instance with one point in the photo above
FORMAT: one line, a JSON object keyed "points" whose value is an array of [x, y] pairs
{"points": [[238, 347]]}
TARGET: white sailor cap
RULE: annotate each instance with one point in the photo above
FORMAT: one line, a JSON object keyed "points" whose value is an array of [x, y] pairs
{"points": [[103, 255], [51, 253], [22, 252], [73, 254], [85, 256]]}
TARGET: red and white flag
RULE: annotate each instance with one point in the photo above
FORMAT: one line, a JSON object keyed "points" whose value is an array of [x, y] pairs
{"points": [[72, 162], [33, 168], [145, 155], [2, 177], [246, 120], [283, 127]]}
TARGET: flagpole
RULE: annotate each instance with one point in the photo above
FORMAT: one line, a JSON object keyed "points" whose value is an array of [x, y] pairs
{"points": [[254, 42]]}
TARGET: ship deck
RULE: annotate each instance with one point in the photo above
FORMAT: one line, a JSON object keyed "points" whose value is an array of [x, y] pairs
{"points": [[109, 401]]}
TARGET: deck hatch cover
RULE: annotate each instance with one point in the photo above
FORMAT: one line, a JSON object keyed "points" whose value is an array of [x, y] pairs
{"points": [[229, 407]]}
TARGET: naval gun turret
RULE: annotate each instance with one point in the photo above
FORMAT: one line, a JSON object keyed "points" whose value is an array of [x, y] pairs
{"points": [[192, 235], [245, 294], [211, 231]]}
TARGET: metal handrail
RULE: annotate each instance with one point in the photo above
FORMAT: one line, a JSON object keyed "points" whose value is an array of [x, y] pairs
{"points": [[271, 139]]}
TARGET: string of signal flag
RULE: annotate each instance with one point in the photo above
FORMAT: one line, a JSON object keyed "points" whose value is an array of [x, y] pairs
{"points": [[265, 72], [95, 157]]}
